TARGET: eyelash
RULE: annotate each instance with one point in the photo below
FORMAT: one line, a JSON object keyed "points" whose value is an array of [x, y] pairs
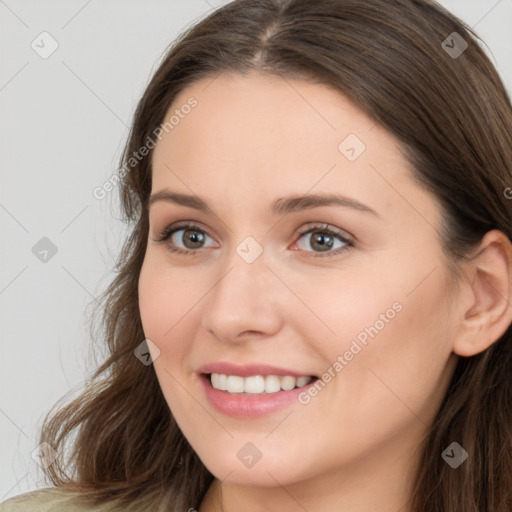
{"points": [[166, 233]]}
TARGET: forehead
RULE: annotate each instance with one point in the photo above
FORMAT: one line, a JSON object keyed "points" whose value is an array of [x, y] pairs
{"points": [[278, 136], [265, 117]]}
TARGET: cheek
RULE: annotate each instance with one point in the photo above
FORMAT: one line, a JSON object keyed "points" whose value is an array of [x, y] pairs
{"points": [[167, 313], [165, 305], [151, 301], [402, 369], [395, 378], [353, 309], [392, 341]]}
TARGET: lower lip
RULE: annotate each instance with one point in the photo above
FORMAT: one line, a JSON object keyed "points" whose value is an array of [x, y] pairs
{"points": [[249, 406]]}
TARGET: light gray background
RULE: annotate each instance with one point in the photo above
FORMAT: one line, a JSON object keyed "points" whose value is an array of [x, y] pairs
{"points": [[64, 120]]}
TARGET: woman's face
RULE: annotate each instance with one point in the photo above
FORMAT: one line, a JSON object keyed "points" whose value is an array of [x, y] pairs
{"points": [[265, 291]]}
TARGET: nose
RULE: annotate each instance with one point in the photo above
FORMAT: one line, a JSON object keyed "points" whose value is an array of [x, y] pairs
{"points": [[245, 302]]}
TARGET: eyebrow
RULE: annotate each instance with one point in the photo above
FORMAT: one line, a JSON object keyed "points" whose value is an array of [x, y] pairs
{"points": [[281, 206]]}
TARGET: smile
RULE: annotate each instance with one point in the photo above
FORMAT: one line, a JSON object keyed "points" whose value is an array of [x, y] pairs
{"points": [[257, 384], [253, 396]]}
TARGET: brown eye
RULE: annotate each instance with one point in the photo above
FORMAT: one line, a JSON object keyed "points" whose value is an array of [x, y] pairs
{"points": [[184, 239], [191, 236], [323, 239]]}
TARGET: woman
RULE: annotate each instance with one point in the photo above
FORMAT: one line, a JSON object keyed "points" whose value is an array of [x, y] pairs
{"points": [[313, 309]]}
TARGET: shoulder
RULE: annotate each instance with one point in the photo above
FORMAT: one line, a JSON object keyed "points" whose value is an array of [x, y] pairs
{"points": [[50, 499]]}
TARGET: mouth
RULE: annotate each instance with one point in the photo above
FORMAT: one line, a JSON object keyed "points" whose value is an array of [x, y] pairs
{"points": [[256, 384], [252, 390]]}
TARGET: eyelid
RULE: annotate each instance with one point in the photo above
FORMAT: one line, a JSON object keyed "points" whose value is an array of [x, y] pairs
{"points": [[176, 226], [167, 232], [342, 235], [312, 227], [323, 226]]}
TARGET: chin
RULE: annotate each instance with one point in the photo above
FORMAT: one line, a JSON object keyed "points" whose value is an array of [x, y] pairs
{"points": [[236, 467]]}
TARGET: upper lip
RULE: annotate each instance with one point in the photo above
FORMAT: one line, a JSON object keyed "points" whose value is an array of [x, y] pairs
{"points": [[248, 370]]}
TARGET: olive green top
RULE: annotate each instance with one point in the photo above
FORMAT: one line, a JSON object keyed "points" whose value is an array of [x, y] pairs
{"points": [[49, 499]]}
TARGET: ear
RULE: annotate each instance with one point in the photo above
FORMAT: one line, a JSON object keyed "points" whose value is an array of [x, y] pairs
{"points": [[487, 312]]}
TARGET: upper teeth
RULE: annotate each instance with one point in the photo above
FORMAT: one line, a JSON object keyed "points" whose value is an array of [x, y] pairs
{"points": [[257, 384]]}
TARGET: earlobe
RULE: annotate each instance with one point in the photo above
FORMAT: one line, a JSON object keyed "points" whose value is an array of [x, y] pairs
{"points": [[490, 312]]}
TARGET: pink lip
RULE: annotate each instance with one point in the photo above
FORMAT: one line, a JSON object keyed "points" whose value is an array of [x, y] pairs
{"points": [[249, 370], [247, 405]]}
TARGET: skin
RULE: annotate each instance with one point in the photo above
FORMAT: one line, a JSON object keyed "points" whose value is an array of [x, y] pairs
{"points": [[250, 140]]}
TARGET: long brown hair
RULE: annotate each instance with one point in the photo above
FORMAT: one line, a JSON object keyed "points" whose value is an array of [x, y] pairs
{"points": [[400, 63]]}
